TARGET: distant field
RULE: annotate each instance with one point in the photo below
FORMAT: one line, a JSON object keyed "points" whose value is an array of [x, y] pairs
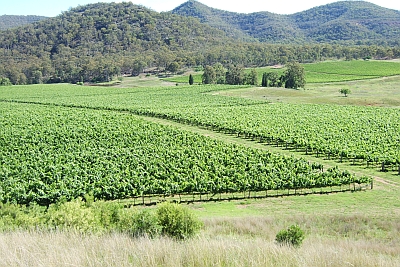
{"points": [[330, 71]]}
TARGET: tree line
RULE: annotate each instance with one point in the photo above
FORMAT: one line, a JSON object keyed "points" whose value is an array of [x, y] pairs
{"points": [[293, 77]]}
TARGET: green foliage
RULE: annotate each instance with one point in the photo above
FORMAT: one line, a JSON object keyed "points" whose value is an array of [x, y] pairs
{"points": [[177, 221], [73, 215], [168, 219], [56, 144], [294, 76], [251, 78], [345, 91], [341, 22], [191, 80], [138, 222], [235, 75], [220, 73], [209, 76], [264, 81], [272, 79], [173, 67], [13, 216], [293, 236], [5, 82]]}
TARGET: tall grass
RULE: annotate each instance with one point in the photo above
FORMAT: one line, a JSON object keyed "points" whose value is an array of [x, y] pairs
{"points": [[224, 242], [69, 249]]}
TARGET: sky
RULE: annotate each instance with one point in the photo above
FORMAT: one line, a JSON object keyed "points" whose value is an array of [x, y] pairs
{"points": [[52, 8]]}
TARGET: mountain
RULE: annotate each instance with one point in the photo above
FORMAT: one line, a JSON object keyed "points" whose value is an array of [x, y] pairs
{"points": [[356, 21], [11, 21], [96, 42], [351, 22]]}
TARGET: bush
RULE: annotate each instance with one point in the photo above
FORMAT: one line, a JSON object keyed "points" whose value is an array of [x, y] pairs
{"points": [[177, 221], [292, 236], [5, 82], [73, 215], [142, 222]]}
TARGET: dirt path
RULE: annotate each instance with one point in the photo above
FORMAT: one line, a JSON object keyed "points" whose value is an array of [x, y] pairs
{"points": [[378, 177]]}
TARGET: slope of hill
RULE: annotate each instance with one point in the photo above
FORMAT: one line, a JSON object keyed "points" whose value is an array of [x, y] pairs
{"points": [[99, 41], [351, 22], [92, 42], [263, 26], [357, 21], [12, 21]]}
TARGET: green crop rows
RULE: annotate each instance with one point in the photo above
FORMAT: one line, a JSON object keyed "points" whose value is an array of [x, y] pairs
{"points": [[49, 152], [368, 133]]}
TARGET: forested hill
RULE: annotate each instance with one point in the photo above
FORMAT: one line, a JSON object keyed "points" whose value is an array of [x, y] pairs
{"points": [[346, 22], [97, 42], [12, 21]]}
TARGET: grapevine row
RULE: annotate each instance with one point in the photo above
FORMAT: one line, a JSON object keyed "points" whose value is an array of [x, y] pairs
{"points": [[48, 153]]}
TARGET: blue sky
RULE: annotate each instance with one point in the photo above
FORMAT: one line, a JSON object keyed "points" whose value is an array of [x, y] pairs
{"points": [[53, 8]]}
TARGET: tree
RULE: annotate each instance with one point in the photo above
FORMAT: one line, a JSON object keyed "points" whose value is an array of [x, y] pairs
{"points": [[173, 67], [294, 76], [5, 82], [209, 75], [235, 75], [220, 73], [191, 79], [252, 77], [264, 81], [345, 91], [273, 79]]}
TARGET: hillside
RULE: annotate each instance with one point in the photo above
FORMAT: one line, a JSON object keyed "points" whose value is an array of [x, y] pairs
{"points": [[12, 21], [348, 22], [98, 42]]}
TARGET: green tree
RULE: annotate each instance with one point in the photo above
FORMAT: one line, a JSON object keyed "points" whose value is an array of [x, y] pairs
{"points": [[191, 80], [264, 81], [252, 77], [235, 75], [209, 75], [220, 73], [345, 91], [273, 79], [294, 76], [173, 67], [5, 82]]}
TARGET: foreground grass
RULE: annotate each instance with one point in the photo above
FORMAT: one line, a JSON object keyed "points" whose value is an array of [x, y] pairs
{"points": [[226, 242]]}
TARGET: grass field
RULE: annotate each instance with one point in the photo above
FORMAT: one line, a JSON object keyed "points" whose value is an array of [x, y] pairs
{"points": [[327, 72], [346, 229]]}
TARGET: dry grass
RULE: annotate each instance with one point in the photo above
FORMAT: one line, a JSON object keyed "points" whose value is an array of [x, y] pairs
{"points": [[224, 242]]}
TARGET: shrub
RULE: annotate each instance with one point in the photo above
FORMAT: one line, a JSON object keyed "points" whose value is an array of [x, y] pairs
{"points": [[345, 91], [145, 223], [177, 221], [292, 236], [5, 82], [73, 215]]}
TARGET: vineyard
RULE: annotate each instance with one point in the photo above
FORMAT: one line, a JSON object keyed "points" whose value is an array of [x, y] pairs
{"points": [[52, 153], [367, 134]]}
